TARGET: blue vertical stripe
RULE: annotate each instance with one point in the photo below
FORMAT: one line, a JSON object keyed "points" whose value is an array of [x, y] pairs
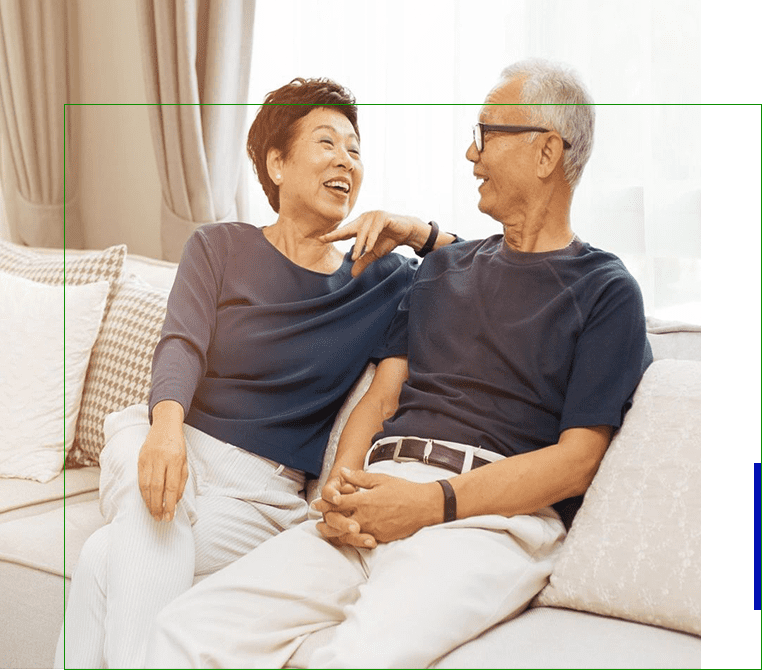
{"points": [[756, 535]]}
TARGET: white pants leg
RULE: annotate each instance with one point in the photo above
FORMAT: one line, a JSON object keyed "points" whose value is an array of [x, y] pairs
{"points": [[256, 612], [442, 586], [403, 604], [133, 567]]}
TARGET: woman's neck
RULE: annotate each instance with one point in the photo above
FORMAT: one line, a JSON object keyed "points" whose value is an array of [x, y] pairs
{"points": [[301, 245]]}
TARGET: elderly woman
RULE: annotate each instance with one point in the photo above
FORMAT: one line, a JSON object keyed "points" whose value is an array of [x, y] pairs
{"points": [[266, 331]]}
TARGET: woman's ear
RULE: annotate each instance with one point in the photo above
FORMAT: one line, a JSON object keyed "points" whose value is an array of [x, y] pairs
{"points": [[551, 154], [275, 166]]}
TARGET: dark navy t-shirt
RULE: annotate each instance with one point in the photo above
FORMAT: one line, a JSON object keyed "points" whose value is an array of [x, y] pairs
{"points": [[508, 349], [261, 352]]}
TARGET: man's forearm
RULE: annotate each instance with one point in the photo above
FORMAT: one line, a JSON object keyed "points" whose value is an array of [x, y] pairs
{"points": [[363, 423], [366, 419], [528, 482]]}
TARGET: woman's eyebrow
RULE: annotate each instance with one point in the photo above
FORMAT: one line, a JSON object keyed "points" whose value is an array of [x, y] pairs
{"points": [[329, 127]]}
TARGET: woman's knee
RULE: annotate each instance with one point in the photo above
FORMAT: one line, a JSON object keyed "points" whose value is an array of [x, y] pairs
{"points": [[125, 432], [92, 563]]}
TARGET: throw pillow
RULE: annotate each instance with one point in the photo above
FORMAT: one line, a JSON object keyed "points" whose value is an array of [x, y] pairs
{"points": [[120, 366], [85, 268], [634, 550], [43, 372]]}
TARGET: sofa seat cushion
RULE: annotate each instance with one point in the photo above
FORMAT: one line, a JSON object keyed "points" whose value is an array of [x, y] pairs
{"points": [[547, 637], [24, 497], [50, 542]]}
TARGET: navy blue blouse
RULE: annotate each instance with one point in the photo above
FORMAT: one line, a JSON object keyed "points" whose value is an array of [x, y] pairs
{"points": [[261, 352]]}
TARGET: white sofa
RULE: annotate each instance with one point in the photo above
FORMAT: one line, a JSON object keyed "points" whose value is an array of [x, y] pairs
{"points": [[625, 592]]}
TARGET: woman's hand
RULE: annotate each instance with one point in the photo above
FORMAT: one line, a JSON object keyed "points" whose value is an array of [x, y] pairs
{"points": [[377, 233], [162, 463]]}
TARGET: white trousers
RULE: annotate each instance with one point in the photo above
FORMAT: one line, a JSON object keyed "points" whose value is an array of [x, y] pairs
{"points": [[134, 566], [402, 604]]}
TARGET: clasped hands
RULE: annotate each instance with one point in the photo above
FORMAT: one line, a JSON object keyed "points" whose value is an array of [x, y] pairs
{"points": [[362, 509]]}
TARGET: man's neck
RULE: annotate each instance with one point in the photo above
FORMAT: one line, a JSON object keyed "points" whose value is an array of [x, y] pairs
{"points": [[539, 233]]}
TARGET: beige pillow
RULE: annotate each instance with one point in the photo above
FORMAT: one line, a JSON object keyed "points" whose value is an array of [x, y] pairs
{"points": [[47, 268], [634, 550], [120, 366]]}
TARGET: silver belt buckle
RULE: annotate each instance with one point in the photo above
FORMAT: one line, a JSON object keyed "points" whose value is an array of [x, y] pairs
{"points": [[396, 456], [427, 451]]}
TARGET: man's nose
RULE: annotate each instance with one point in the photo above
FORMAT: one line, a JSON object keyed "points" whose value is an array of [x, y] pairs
{"points": [[471, 153]]}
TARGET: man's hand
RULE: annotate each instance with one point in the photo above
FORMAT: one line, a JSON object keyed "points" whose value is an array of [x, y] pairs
{"points": [[377, 233], [162, 472], [387, 508], [337, 527]]}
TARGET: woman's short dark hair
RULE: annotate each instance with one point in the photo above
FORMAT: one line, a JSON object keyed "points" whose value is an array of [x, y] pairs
{"points": [[274, 126]]}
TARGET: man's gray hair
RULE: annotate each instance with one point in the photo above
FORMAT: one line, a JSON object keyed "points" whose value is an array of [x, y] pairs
{"points": [[557, 100]]}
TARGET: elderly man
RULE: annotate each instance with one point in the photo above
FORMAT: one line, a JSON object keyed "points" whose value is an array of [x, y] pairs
{"points": [[524, 350]]}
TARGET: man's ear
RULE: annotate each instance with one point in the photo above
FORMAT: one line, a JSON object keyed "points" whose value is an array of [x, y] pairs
{"points": [[275, 165], [551, 154]]}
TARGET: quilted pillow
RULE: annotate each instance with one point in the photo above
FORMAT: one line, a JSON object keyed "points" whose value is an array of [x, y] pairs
{"points": [[634, 550], [120, 365]]}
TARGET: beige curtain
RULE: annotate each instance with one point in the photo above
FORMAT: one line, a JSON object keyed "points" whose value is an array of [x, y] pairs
{"points": [[34, 87], [196, 61]]}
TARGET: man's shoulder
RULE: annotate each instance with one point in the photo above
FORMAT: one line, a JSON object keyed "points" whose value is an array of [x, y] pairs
{"points": [[457, 254]]}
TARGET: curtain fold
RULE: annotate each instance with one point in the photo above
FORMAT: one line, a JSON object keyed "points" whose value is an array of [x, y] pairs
{"points": [[196, 63], [39, 189]]}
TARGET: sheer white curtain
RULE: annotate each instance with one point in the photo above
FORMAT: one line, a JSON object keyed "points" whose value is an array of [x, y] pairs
{"points": [[422, 68]]}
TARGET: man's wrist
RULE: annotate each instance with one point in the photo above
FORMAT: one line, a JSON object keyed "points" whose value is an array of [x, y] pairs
{"points": [[420, 236]]}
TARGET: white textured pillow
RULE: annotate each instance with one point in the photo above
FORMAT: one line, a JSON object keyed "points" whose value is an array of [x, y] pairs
{"points": [[39, 392], [634, 550]]}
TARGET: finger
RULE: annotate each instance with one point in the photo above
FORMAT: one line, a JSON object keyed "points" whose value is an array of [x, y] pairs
{"points": [[322, 506], [341, 523], [338, 538], [361, 237], [360, 540], [331, 490], [360, 478], [157, 491], [346, 232], [363, 262], [373, 233], [144, 483], [183, 480], [171, 491]]}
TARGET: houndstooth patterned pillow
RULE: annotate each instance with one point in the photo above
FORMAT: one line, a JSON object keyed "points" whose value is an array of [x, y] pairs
{"points": [[120, 365], [45, 268]]}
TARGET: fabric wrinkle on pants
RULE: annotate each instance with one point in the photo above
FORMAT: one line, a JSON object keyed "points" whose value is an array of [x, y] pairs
{"points": [[131, 568], [402, 604]]}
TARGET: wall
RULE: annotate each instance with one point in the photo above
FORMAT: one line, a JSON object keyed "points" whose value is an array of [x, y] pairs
{"points": [[119, 187]]}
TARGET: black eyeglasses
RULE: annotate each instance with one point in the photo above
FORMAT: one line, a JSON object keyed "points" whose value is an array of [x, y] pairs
{"points": [[481, 128]]}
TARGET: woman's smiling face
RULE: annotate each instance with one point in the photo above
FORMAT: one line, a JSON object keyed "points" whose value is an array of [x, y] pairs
{"points": [[322, 174]]}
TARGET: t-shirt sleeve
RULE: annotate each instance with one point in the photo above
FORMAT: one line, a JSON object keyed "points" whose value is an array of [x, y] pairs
{"points": [[610, 357], [179, 360], [394, 340]]}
